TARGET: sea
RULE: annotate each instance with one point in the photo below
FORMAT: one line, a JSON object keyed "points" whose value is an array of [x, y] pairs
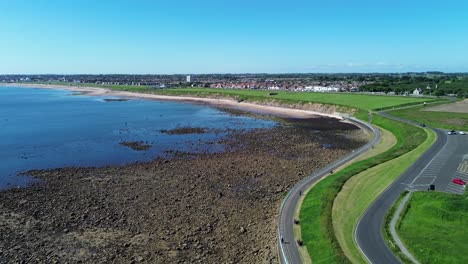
{"points": [[49, 128]]}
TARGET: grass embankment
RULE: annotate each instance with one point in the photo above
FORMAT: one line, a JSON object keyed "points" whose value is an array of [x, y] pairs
{"points": [[447, 120], [434, 228], [387, 141], [316, 212], [362, 189]]}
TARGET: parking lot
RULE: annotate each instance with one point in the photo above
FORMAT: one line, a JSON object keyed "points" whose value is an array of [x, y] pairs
{"points": [[450, 163]]}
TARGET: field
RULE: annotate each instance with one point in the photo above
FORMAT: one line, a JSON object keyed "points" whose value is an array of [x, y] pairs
{"points": [[357, 101], [434, 227], [447, 120], [458, 107]]}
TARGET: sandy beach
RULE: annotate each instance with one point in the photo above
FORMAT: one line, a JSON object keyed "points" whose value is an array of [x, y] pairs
{"points": [[226, 103]]}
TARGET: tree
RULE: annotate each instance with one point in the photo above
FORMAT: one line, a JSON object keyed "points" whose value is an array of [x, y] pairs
{"points": [[439, 92]]}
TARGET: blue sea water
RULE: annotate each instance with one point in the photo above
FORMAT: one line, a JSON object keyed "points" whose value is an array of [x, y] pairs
{"points": [[45, 128]]}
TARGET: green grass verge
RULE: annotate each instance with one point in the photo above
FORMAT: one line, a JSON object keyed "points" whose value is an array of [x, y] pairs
{"points": [[316, 212], [447, 120], [351, 202], [362, 189], [434, 227]]}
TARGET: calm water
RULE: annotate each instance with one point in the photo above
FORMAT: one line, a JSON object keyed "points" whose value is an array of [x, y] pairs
{"points": [[43, 128]]}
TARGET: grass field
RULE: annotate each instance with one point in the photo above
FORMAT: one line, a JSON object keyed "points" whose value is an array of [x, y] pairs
{"points": [[362, 189], [447, 120], [316, 218], [357, 101], [434, 227]]}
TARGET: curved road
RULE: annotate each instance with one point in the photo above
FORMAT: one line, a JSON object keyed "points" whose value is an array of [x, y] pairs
{"points": [[287, 246], [368, 233]]}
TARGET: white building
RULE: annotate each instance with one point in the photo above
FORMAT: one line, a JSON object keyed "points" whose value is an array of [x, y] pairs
{"points": [[417, 92], [322, 89], [189, 78]]}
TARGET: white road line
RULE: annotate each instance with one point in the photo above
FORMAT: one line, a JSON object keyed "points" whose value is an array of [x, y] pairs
{"points": [[454, 189]]}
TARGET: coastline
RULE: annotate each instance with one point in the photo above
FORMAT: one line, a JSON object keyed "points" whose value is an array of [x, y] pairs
{"points": [[227, 103], [203, 208]]}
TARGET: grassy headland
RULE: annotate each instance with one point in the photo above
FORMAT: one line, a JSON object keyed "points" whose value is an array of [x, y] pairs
{"points": [[357, 101]]}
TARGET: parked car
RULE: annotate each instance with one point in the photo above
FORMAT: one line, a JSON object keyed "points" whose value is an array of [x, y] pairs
{"points": [[452, 132], [462, 133], [459, 181]]}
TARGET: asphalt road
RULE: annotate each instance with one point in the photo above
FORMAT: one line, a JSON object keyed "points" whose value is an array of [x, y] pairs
{"points": [[287, 246], [368, 233]]}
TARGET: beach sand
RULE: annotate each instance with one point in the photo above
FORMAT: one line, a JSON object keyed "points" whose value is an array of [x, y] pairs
{"points": [[225, 103]]}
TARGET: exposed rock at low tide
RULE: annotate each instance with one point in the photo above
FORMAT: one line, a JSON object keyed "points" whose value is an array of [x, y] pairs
{"points": [[136, 145], [207, 208]]}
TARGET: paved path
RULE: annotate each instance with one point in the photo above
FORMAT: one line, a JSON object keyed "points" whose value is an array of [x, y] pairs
{"points": [[393, 232], [287, 246]]}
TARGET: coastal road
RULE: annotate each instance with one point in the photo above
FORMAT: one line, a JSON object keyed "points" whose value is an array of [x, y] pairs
{"points": [[287, 246], [368, 233]]}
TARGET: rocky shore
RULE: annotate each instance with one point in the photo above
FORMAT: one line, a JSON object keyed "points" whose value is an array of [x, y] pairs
{"points": [[204, 208]]}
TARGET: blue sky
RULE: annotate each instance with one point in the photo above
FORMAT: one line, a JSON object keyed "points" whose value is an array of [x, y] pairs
{"points": [[239, 36]]}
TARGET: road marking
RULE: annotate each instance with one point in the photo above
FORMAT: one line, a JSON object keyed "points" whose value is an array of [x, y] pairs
{"points": [[463, 167], [455, 188]]}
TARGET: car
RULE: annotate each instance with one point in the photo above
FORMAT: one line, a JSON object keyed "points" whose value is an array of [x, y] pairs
{"points": [[459, 181], [462, 133], [423, 125], [452, 132]]}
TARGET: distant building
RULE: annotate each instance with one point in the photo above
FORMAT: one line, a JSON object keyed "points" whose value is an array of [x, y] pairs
{"points": [[417, 92], [189, 78], [322, 89]]}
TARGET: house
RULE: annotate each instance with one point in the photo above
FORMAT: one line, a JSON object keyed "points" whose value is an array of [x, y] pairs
{"points": [[417, 92]]}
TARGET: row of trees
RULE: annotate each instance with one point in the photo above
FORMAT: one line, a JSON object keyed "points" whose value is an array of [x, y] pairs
{"points": [[433, 85]]}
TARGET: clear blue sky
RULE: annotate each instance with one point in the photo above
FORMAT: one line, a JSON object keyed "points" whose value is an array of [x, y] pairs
{"points": [[217, 36]]}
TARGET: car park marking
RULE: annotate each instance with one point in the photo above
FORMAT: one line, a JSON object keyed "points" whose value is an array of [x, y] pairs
{"points": [[429, 174], [452, 187], [463, 167]]}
